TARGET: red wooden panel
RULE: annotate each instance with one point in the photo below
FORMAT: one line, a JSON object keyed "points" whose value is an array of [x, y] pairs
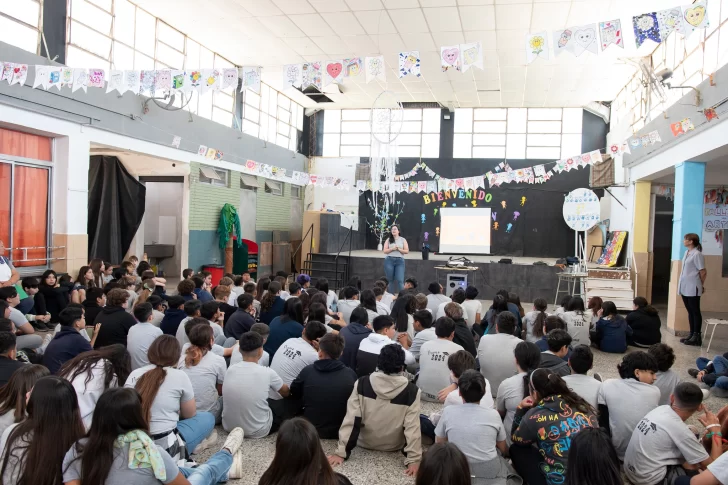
{"points": [[25, 145]]}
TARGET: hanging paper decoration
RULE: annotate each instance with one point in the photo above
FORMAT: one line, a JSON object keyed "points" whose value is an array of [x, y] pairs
{"points": [[80, 80], [176, 141], [676, 129], [539, 171], [375, 69], [41, 73], [132, 80], [563, 42], [292, 77], [695, 17], [655, 136], [179, 80], [710, 114], [6, 71], [610, 33], [450, 57], [66, 76], [646, 27], [669, 21], [148, 81], [409, 64], [251, 79], [472, 55], [537, 46], [96, 78], [163, 81], [54, 78], [19, 74], [311, 75], [229, 78], [116, 82], [687, 124], [334, 72], [194, 80], [211, 80], [585, 39], [352, 67]]}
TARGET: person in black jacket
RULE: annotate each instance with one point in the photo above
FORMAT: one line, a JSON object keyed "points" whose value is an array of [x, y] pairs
{"points": [[242, 320], [115, 320], [645, 323], [324, 387], [54, 296], [353, 334], [69, 342], [94, 303], [173, 316], [463, 335]]}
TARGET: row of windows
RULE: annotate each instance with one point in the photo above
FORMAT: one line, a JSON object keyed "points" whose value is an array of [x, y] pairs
{"points": [[219, 178], [20, 23], [272, 116]]}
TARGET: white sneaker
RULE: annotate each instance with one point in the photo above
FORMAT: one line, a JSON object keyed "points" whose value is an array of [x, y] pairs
{"points": [[206, 443], [234, 440], [236, 469], [706, 393], [46, 340]]}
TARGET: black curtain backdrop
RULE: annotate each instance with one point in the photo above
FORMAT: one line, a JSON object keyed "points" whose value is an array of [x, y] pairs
{"points": [[115, 208]]}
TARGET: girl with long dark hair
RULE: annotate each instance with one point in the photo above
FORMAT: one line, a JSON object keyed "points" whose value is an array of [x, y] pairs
{"points": [[578, 321], [368, 301], [691, 285], [402, 310], [205, 370], [119, 449], [611, 331], [444, 463], [92, 373], [332, 300], [512, 390], [54, 296], [487, 325], [99, 268], [534, 320], [594, 305], [168, 401], [14, 394], [272, 304], [261, 288], [567, 414], [31, 452], [288, 325], [645, 323], [593, 460], [299, 458], [395, 247], [83, 282]]}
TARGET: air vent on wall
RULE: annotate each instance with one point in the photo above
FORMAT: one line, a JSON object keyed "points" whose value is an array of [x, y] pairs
{"points": [[421, 105]]}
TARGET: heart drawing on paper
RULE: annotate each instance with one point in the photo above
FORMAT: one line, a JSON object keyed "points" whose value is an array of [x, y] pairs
{"points": [[450, 56], [334, 69], [694, 16], [585, 37]]}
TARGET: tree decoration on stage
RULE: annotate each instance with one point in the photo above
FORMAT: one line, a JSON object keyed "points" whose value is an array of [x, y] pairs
{"points": [[385, 215]]}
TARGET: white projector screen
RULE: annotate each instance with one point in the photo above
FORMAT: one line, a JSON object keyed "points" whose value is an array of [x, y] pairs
{"points": [[465, 230]]}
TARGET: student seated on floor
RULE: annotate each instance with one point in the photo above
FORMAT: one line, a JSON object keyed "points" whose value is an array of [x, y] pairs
{"points": [[67, 343], [424, 329], [142, 335], [434, 373], [323, 388], [444, 463], [663, 450], [173, 316], [435, 298], [357, 330], [713, 373], [558, 342], [349, 302], [624, 402], [534, 321], [463, 335], [578, 321], [495, 351], [593, 459], [581, 362], [611, 331], [245, 391], [458, 297], [370, 348], [383, 412], [512, 390], [552, 322], [645, 323], [667, 378]]}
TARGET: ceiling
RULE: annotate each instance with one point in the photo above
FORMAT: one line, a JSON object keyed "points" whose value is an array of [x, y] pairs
{"points": [[271, 33]]}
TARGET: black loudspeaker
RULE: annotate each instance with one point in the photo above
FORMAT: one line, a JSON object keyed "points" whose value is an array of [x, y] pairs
{"points": [[506, 261]]}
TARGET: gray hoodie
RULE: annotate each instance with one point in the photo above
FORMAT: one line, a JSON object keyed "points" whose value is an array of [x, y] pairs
{"points": [[555, 364]]}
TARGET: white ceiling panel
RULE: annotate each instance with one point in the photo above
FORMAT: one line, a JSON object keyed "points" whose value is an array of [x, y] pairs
{"points": [[329, 43], [312, 24], [291, 7], [438, 3], [262, 8], [410, 20], [478, 18], [419, 42], [475, 2], [549, 16], [513, 16], [486, 37], [365, 4], [443, 19], [363, 45], [343, 23], [376, 22], [304, 46], [330, 5], [392, 4], [448, 38], [281, 26]]}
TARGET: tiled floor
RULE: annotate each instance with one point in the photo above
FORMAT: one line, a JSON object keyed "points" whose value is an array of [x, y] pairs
{"points": [[370, 467]]}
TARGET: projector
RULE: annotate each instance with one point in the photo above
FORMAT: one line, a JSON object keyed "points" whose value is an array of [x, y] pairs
{"points": [[458, 262]]}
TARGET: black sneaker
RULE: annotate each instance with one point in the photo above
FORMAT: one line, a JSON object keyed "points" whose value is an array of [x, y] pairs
{"points": [[42, 327], [696, 341], [693, 372], [685, 339]]}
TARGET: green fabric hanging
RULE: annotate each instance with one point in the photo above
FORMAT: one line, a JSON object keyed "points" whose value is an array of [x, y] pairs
{"points": [[229, 223]]}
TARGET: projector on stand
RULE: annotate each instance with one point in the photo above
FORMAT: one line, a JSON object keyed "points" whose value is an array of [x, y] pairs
{"points": [[458, 262]]}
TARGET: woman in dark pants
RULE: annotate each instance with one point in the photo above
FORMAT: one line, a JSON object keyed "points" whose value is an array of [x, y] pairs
{"points": [[691, 286]]}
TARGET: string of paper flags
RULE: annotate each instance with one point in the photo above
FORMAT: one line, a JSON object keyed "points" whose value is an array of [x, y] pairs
{"points": [[599, 36]]}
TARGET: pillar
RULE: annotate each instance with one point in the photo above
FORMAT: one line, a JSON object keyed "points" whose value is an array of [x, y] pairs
{"points": [[640, 239], [687, 218]]}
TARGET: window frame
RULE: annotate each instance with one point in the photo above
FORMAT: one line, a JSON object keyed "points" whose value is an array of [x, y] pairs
{"points": [[38, 29], [296, 192], [220, 172], [272, 190], [254, 113]]}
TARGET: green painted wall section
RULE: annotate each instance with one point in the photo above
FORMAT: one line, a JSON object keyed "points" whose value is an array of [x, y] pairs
{"points": [[273, 211]]}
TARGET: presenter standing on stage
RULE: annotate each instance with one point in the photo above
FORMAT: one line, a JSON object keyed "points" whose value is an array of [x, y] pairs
{"points": [[395, 248]]}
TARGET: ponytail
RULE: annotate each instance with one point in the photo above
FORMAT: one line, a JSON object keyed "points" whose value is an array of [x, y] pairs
{"points": [[540, 305], [200, 337], [547, 384], [164, 352], [695, 239]]}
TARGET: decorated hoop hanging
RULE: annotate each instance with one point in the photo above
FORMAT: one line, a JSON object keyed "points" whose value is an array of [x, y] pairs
{"points": [[386, 117]]}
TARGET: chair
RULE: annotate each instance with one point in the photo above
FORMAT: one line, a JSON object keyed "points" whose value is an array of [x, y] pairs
{"points": [[715, 322]]}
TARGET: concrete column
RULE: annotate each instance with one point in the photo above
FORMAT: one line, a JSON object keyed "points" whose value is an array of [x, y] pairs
{"points": [[640, 239], [70, 202], [688, 217]]}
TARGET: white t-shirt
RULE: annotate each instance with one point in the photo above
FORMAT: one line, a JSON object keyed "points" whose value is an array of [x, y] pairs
{"points": [[290, 358], [139, 340], [585, 386], [237, 357], [578, 327], [6, 269], [244, 394], [510, 394], [205, 377], [497, 360], [473, 429], [89, 394], [719, 469], [434, 373], [332, 301], [659, 440], [529, 321], [346, 307], [471, 309], [441, 313], [455, 399], [628, 400], [666, 382], [424, 336], [175, 390], [183, 339]]}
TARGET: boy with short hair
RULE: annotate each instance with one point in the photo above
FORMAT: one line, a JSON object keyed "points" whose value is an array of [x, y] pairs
{"points": [[94, 303], [553, 359], [434, 373], [624, 402], [667, 378], [424, 331], [263, 330], [188, 273], [349, 302], [580, 362], [370, 347], [552, 322], [69, 342], [141, 335], [30, 286]]}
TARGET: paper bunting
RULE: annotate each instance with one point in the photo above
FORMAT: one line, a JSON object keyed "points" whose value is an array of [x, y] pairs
{"points": [[19, 74], [229, 78], [539, 171], [646, 27], [450, 58], [176, 141], [96, 78], [472, 55], [334, 72], [54, 78], [676, 129], [80, 80], [211, 80], [132, 81], [66, 77], [563, 42], [163, 81], [311, 75], [710, 114], [292, 76], [116, 82], [41, 73], [669, 21], [148, 82], [352, 67], [375, 69], [409, 64], [251, 79], [694, 17], [585, 39], [6, 71], [610, 33], [537, 46]]}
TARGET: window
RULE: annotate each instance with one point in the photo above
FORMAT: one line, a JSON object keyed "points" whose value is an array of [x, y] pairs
{"points": [[273, 117], [20, 22], [274, 188], [116, 34], [213, 176], [348, 133], [296, 191], [249, 182], [517, 133]]}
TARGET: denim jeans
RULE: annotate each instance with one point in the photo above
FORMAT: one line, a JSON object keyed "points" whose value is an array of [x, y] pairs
{"points": [[213, 471], [196, 429], [394, 271], [25, 305], [720, 366]]}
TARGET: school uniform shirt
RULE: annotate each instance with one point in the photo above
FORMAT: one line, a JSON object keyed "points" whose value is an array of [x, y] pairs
{"points": [[66, 345], [387, 299], [139, 340], [434, 300], [332, 301], [642, 399], [689, 283], [495, 354], [237, 357], [529, 321], [280, 331], [290, 359], [346, 307], [577, 325], [368, 355], [474, 430], [115, 326], [659, 440], [420, 338], [182, 337], [510, 393], [455, 399], [434, 373], [157, 318], [244, 395], [719, 468], [7, 367], [382, 309], [175, 390], [205, 376], [471, 308], [441, 313], [585, 386], [88, 393], [666, 382]]}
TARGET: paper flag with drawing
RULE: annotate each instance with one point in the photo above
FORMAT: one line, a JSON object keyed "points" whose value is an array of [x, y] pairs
{"points": [[229, 78], [54, 78], [96, 78], [132, 81], [292, 76], [6, 71], [537, 45], [646, 27], [585, 39], [695, 17], [19, 74], [375, 68], [80, 80], [41, 72], [251, 79], [163, 81], [563, 41], [66, 76], [352, 67], [472, 55], [409, 64], [450, 57], [333, 72], [311, 75], [211, 80], [610, 33], [148, 80], [669, 21], [116, 82]]}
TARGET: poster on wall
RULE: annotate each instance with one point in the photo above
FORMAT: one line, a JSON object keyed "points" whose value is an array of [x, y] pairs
{"points": [[715, 220]]}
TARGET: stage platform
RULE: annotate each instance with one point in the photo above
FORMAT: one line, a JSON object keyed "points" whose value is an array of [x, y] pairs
{"points": [[529, 281]]}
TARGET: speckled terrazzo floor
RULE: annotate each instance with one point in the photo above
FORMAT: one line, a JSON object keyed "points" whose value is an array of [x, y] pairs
{"points": [[371, 467]]}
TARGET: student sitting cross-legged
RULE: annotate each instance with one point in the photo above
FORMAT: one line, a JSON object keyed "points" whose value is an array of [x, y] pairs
{"points": [[383, 412], [558, 342], [425, 331], [434, 373], [513, 390], [581, 362], [369, 348], [69, 342], [667, 378]]}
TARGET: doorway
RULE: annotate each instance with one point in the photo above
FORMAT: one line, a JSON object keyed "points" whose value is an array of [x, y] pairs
{"points": [[662, 250], [246, 212], [162, 223]]}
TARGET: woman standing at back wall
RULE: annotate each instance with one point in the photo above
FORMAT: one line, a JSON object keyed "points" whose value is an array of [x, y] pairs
{"points": [[691, 286], [395, 248]]}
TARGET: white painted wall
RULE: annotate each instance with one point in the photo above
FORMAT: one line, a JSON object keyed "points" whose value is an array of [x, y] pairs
{"points": [[335, 199], [163, 219]]}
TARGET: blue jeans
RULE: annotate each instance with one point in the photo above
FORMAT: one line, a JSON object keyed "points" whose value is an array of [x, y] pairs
{"points": [[720, 366], [394, 271], [213, 471], [196, 429], [25, 305]]}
